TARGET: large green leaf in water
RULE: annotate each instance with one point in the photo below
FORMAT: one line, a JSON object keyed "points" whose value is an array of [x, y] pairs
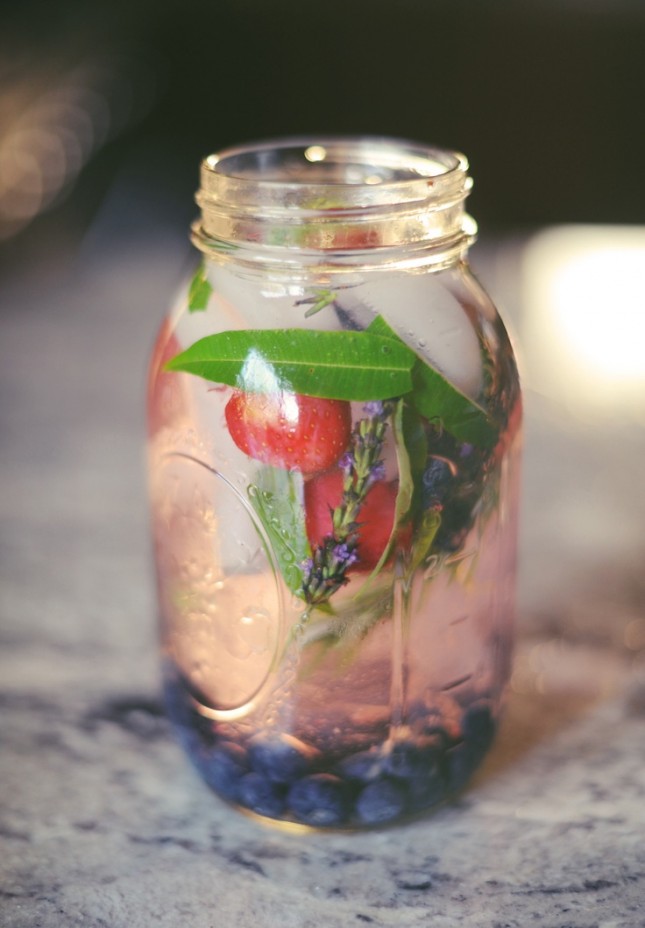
{"points": [[278, 499], [334, 365], [438, 399]]}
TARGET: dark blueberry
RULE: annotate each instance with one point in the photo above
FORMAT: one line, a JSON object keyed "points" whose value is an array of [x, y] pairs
{"points": [[456, 521], [362, 767], [278, 758], [478, 729], [437, 480], [193, 732], [381, 802], [429, 793], [442, 443], [258, 793], [478, 726], [181, 709], [421, 767], [439, 734], [407, 759], [320, 799], [224, 767], [427, 790], [460, 764], [179, 706]]}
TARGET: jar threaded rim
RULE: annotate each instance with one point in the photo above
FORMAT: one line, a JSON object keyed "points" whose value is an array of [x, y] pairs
{"points": [[338, 194]]}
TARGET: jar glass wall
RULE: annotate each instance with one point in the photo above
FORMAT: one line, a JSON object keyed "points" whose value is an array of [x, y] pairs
{"points": [[334, 427]]}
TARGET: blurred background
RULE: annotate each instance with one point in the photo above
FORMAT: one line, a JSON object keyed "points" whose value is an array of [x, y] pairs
{"points": [[105, 112], [545, 97]]}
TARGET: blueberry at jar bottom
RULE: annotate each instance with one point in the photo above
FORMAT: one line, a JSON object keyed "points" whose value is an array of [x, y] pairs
{"points": [[279, 777]]}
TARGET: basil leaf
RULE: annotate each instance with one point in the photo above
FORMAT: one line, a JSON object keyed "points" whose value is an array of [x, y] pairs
{"points": [[436, 398], [333, 365], [199, 291], [278, 499]]}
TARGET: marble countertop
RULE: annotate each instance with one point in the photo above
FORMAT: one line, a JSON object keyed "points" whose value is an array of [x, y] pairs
{"points": [[103, 823]]}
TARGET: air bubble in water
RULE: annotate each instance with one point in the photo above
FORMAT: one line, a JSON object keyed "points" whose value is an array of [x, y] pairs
{"points": [[251, 633]]}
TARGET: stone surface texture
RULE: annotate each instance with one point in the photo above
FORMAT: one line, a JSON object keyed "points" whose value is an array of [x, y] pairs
{"points": [[103, 823]]}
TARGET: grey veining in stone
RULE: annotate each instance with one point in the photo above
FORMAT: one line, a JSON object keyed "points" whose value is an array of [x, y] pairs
{"points": [[103, 823]]}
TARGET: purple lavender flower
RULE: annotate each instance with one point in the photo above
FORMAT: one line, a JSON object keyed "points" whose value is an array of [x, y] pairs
{"points": [[326, 571], [374, 408], [377, 472], [345, 555], [369, 441]]}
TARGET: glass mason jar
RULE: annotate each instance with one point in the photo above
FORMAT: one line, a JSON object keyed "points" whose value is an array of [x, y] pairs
{"points": [[334, 427]]}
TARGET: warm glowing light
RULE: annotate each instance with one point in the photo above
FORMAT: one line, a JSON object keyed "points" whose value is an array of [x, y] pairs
{"points": [[584, 299], [51, 139], [315, 153], [21, 187], [597, 302]]}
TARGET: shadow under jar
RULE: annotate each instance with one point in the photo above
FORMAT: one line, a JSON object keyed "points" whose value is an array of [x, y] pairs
{"points": [[334, 428]]}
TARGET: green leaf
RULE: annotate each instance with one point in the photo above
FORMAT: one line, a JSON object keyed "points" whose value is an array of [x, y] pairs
{"points": [[278, 499], [424, 538], [334, 365], [416, 443], [436, 398], [199, 291]]}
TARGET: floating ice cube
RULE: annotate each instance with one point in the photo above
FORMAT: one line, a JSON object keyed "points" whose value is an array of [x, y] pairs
{"points": [[429, 318]]}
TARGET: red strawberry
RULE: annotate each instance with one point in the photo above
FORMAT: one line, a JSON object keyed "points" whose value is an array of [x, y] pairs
{"points": [[376, 515], [289, 430]]}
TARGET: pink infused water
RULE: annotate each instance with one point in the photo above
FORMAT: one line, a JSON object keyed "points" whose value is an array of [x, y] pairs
{"points": [[334, 483]]}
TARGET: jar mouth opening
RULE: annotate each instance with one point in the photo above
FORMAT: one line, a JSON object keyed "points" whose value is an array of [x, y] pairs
{"points": [[335, 161], [333, 173], [336, 194]]}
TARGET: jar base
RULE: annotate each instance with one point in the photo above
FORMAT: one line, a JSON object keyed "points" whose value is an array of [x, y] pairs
{"points": [[279, 779]]}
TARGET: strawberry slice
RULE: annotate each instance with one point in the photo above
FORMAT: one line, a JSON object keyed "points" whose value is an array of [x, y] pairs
{"points": [[376, 516], [289, 430]]}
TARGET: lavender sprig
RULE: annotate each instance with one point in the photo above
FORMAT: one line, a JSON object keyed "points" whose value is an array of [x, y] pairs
{"points": [[325, 571]]}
